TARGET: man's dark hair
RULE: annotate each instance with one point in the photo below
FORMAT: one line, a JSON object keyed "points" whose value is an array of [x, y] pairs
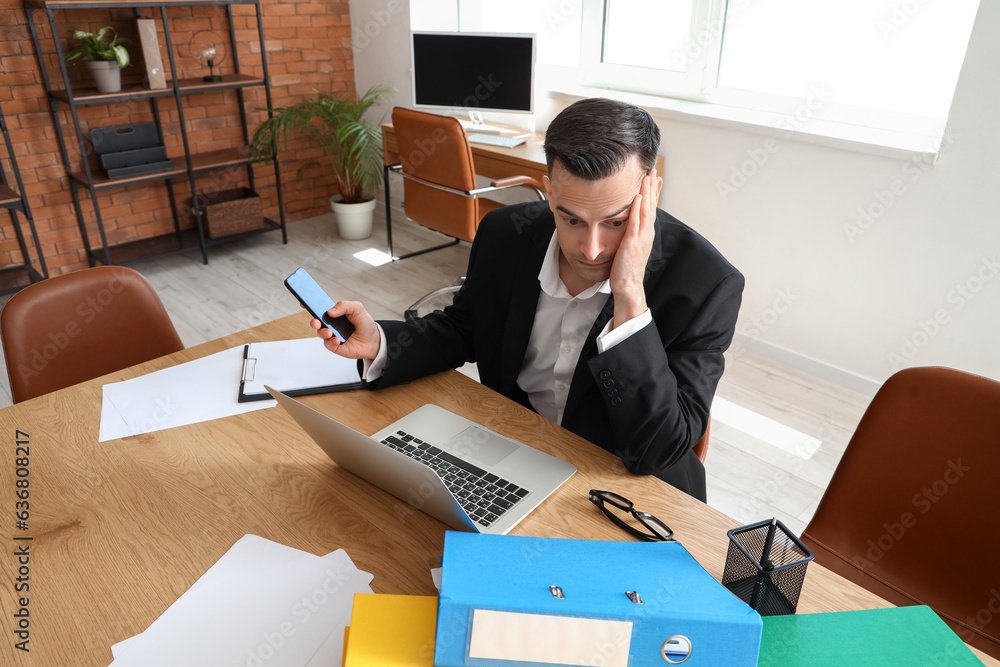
{"points": [[595, 138]]}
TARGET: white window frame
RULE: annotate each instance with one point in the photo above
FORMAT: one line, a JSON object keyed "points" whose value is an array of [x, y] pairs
{"points": [[816, 117], [696, 82]]}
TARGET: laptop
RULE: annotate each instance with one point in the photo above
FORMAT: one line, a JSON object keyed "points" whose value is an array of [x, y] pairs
{"points": [[440, 463]]}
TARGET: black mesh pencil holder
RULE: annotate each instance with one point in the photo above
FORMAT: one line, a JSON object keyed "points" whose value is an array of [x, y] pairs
{"points": [[765, 567]]}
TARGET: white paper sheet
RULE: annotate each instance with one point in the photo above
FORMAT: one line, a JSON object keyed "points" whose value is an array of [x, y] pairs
{"points": [[261, 603], [188, 393]]}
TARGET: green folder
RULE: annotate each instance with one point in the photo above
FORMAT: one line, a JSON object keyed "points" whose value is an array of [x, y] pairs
{"points": [[893, 636]]}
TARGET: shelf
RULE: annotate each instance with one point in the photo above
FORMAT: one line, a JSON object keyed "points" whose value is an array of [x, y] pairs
{"points": [[173, 243], [90, 95], [9, 198], [200, 162], [185, 164]]}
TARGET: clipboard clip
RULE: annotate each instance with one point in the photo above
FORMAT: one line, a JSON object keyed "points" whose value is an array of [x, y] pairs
{"points": [[249, 364]]}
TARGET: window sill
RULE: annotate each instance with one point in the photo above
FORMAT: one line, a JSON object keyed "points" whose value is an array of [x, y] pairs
{"points": [[794, 126]]}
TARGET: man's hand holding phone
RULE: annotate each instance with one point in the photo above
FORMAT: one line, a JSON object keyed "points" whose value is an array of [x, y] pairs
{"points": [[346, 327], [363, 343]]}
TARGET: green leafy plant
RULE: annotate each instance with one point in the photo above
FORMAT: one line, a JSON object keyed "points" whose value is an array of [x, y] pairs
{"points": [[352, 145], [96, 46]]}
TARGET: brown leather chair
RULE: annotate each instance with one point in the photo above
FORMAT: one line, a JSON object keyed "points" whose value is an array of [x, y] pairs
{"points": [[912, 510], [439, 186], [701, 447], [82, 325]]}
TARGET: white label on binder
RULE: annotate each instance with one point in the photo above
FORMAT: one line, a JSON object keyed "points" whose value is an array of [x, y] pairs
{"points": [[554, 640]]}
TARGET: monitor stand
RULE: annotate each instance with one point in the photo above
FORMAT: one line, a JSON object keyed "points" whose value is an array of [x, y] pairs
{"points": [[476, 124]]}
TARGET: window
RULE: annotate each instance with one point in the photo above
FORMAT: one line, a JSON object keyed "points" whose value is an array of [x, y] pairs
{"points": [[885, 64], [651, 46]]}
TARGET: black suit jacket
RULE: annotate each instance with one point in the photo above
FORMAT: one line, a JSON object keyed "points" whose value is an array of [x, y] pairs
{"points": [[647, 399]]}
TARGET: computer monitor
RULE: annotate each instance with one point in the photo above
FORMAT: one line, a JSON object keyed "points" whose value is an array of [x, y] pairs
{"points": [[473, 71]]}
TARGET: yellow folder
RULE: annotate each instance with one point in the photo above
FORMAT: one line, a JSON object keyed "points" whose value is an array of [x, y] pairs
{"points": [[391, 631]]}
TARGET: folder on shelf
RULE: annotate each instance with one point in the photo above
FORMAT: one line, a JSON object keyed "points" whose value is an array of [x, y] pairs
{"points": [[893, 636], [151, 54], [295, 367], [391, 631], [520, 601]]}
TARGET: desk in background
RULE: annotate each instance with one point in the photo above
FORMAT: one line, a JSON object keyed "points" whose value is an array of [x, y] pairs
{"points": [[494, 162], [122, 529]]}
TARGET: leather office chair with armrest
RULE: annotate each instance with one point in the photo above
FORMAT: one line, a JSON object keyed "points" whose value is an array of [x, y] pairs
{"points": [[911, 511], [439, 181], [78, 326], [701, 447]]}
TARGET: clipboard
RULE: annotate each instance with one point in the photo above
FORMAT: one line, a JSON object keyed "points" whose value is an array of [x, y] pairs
{"points": [[295, 367]]}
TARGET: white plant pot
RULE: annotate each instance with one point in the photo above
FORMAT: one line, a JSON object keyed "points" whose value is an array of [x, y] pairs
{"points": [[354, 221], [107, 75]]}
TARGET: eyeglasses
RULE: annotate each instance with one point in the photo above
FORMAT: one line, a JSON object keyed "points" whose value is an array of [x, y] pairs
{"points": [[657, 530]]}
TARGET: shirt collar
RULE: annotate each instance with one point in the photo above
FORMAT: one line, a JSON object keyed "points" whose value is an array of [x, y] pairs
{"points": [[552, 284]]}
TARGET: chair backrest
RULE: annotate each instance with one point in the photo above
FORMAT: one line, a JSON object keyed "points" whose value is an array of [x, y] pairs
{"points": [[434, 148], [82, 325], [912, 510]]}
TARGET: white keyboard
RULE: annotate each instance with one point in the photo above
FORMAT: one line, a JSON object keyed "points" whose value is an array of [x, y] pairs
{"points": [[495, 140]]}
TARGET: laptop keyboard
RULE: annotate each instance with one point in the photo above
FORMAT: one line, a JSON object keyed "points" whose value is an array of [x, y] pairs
{"points": [[484, 496]]}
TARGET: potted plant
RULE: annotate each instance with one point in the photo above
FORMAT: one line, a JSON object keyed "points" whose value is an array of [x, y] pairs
{"points": [[352, 145], [105, 57]]}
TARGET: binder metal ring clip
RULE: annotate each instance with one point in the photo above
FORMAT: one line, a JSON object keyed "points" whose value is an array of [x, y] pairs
{"points": [[633, 596], [676, 649], [557, 592]]}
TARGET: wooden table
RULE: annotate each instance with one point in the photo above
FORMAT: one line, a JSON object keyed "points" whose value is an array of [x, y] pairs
{"points": [[121, 529]]}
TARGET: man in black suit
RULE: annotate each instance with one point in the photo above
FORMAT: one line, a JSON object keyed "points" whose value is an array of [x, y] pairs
{"points": [[594, 308]]}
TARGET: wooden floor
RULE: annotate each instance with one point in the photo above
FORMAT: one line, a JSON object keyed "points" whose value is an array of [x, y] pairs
{"points": [[750, 478]]}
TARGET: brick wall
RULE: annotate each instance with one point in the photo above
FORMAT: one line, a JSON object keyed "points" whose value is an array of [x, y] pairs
{"points": [[308, 50]]}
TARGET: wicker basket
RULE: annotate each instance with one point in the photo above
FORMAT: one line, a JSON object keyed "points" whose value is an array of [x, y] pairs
{"points": [[231, 212]]}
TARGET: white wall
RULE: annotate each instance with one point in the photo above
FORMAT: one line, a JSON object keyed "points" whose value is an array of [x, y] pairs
{"points": [[916, 282]]}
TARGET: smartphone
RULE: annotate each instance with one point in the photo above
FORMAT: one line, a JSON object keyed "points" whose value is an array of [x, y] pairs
{"points": [[317, 302]]}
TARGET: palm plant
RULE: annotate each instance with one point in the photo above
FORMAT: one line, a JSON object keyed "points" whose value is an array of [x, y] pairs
{"points": [[351, 144], [94, 47]]}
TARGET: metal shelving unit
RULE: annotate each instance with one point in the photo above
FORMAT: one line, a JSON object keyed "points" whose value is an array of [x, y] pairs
{"points": [[15, 201], [83, 177]]}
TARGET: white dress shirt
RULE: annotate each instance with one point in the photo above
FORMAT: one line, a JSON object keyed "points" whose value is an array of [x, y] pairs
{"points": [[560, 330]]}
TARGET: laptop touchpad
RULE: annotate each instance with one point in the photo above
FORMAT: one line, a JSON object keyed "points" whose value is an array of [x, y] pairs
{"points": [[481, 445]]}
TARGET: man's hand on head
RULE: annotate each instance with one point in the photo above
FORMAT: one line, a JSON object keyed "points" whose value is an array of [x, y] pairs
{"points": [[629, 267], [363, 343]]}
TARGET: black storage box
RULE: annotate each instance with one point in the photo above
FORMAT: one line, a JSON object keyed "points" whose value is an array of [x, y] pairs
{"points": [[127, 150], [765, 567]]}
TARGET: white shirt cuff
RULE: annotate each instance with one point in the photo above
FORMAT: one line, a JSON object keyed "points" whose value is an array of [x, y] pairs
{"points": [[372, 369], [609, 337]]}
